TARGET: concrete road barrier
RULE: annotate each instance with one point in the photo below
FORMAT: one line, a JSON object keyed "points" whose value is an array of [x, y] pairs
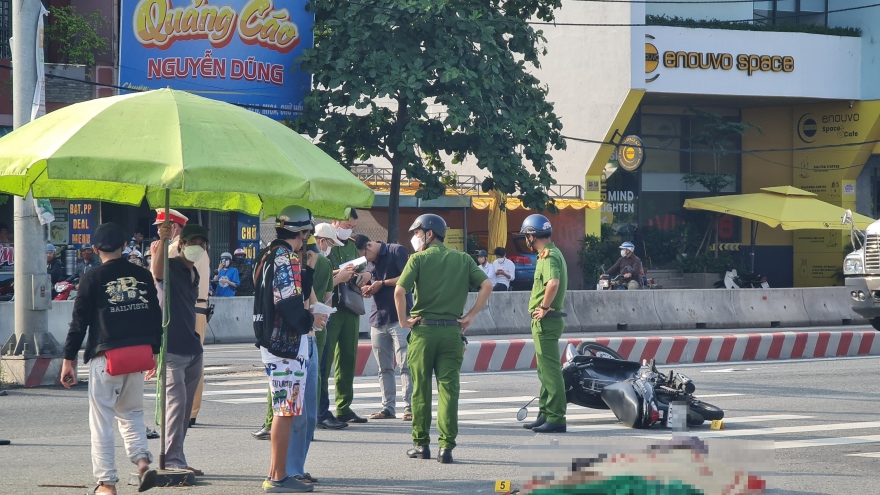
{"points": [[688, 309], [588, 311], [767, 308]]}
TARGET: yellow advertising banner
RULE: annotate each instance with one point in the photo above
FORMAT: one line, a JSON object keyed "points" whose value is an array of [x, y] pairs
{"points": [[454, 239]]}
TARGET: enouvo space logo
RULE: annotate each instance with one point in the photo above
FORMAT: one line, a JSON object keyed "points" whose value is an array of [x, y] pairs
{"points": [[839, 125], [807, 128], [652, 59]]}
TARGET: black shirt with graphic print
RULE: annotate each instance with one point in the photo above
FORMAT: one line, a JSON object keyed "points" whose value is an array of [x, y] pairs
{"points": [[117, 305]]}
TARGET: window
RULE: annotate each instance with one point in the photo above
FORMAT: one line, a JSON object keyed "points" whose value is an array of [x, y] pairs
{"points": [[5, 28], [792, 12]]}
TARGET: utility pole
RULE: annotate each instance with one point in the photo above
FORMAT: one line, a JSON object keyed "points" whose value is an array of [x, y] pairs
{"points": [[31, 357]]}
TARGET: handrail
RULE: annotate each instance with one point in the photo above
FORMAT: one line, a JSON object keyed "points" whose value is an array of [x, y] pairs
{"points": [[462, 185]]}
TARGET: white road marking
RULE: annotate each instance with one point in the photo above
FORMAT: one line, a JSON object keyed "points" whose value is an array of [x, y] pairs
{"points": [[780, 430], [865, 454], [826, 442]]}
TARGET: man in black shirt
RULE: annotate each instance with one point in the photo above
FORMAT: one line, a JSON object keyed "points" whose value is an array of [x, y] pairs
{"points": [[184, 352], [118, 308], [245, 274], [386, 263]]}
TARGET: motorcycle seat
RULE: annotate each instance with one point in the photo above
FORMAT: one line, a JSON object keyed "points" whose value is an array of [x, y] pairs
{"points": [[600, 363]]}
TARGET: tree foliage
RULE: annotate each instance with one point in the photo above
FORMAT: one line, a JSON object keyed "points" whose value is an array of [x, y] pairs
{"points": [[719, 135], [78, 36], [425, 82]]}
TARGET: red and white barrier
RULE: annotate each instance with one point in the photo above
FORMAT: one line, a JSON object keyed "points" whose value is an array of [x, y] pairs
{"points": [[519, 354]]}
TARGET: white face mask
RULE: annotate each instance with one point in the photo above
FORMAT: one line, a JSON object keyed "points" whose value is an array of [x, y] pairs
{"points": [[418, 242], [343, 234], [623, 252], [193, 253], [326, 252]]}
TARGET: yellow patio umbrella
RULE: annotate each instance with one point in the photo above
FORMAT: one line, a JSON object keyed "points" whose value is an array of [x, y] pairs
{"points": [[783, 206]]}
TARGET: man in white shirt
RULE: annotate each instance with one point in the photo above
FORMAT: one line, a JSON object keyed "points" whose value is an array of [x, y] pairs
{"points": [[483, 263], [504, 271]]}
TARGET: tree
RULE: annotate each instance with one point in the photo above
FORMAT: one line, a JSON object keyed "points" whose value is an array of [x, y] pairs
{"points": [[717, 134], [414, 80], [78, 36]]}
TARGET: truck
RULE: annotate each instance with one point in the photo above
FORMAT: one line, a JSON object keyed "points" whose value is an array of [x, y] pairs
{"points": [[861, 269]]}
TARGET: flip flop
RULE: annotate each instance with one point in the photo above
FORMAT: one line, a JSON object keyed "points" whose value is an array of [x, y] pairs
{"points": [[197, 472], [383, 414], [407, 415], [148, 480]]}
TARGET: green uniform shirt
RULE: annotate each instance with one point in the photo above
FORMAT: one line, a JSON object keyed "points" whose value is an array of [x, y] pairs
{"points": [[323, 282], [441, 277], [340, 255], [551, 265]]}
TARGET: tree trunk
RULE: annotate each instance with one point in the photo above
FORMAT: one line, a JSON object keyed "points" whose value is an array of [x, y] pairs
{"points": [[717, 223], [394, 204], [396, 171]]}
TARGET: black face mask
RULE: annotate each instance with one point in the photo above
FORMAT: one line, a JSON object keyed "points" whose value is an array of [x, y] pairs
{"points": [[238, 259]]}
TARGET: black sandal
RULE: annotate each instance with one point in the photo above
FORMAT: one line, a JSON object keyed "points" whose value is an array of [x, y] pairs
{"points": [[148, 480]]}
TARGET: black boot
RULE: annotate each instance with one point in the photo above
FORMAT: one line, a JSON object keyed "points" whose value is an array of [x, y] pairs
{"points": [[419, 452], [549, 427], [536, 423], [445, 456], [262, 434]]}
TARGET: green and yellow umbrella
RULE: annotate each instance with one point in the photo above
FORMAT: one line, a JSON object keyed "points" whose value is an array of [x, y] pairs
{"points": [[205, 153], [176, 150]]}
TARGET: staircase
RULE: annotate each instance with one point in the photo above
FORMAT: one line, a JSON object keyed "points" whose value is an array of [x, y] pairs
{"points": [[667, 279]]}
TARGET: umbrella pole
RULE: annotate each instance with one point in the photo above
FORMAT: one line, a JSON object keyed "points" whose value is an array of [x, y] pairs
{"points": [[165, 313], [167, 477], [754, 229]]}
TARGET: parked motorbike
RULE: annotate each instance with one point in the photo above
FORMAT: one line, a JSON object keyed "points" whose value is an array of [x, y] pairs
{"points": [[748, 281], [639, 395], [65, 290]]}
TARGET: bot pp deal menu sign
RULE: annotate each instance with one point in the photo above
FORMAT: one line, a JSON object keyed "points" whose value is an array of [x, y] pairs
{"points": [[238, 51]]}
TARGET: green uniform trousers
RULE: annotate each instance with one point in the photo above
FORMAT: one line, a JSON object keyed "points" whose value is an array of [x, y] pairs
{"points": [[437, 350], [342, 339], [552, 402]]}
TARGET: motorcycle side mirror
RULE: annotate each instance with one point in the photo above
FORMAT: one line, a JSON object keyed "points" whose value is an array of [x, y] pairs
{"points": [[847, 217], [522, 414]]}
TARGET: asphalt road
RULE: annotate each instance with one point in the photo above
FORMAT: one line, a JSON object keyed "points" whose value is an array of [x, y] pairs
{"points": [[815, 420]]}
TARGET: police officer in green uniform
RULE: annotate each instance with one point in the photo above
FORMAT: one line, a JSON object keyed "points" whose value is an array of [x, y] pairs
{"points": [[342, 334], [441, 278], [545, 306]]}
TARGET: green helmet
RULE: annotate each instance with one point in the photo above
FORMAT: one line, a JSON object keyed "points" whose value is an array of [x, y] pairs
{"points": [[295, 219], [431, 222]]}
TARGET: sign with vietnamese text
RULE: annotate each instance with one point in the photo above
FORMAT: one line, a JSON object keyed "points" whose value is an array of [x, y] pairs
{"points": [[83, 217], [238, 51], [59, 229], [249, 235]]}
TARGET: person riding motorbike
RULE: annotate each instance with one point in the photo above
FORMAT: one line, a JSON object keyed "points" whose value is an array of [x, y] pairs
{"points": [[629, 265]]}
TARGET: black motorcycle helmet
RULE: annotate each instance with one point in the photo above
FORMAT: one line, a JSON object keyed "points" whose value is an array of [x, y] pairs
{"points": [[483, 253], [431, 222], [536, 225]]}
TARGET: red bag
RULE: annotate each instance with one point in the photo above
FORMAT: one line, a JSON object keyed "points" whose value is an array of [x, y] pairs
{"points": [[131, 359]]}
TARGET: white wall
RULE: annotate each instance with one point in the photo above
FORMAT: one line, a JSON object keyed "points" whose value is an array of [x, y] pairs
{"points": [[722, 12], [868, 20]]}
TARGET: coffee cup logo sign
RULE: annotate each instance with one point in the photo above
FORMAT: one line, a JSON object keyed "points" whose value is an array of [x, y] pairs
{"points": [[630, 153]]}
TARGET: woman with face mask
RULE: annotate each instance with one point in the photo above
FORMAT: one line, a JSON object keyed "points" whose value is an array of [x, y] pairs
{"points": [[227, 278]]}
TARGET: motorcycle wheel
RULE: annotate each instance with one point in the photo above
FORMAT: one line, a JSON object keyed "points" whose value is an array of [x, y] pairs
{"points": [[699, 412], [597, 350]]}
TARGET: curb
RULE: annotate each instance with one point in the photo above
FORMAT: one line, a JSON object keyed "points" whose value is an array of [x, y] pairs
{"points": [[519, 354]]}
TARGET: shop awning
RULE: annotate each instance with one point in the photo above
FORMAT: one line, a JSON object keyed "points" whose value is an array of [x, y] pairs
{"points": [[785, 206], [485, 203]]}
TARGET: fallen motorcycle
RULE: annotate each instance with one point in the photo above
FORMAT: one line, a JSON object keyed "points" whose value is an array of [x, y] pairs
{"points": [[639, 395]]}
